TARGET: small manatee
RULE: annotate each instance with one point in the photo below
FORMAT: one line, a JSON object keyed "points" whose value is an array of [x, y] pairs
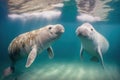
{"points": [[92, 42]]}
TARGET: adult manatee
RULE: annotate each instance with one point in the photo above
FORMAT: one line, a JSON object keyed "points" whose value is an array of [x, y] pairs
{"points": [[33, 43]]}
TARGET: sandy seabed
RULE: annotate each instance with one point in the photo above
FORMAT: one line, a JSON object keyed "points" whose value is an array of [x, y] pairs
{"points": [[66, 71]]}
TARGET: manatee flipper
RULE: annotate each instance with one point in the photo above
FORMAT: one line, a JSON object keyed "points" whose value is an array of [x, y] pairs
{"points": [[101, 57], [50, 52], [31, 56], [8, 71], [81, 52], [94, 59]]}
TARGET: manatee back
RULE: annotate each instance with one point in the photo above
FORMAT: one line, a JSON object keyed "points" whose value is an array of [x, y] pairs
{"points": [[20, 46], [102, 42]]}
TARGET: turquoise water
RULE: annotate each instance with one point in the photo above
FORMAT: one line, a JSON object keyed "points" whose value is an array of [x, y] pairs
{"points": [[66, 64]]}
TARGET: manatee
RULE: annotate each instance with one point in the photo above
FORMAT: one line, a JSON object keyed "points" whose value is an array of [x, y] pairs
{"points": [[92, 42], [33, 43]]}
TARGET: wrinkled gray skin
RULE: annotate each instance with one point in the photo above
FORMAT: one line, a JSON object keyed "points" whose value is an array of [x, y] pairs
{"points": [[34, 42], [92, 42]]}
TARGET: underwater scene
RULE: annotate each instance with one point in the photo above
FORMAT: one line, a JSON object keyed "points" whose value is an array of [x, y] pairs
{"points": [[59, 39]]}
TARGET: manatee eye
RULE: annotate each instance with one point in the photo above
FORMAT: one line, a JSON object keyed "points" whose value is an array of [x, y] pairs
{"points": [[91, 29], [50, 27]]}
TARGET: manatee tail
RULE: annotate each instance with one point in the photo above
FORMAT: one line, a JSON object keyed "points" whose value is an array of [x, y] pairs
{"points": [[8, 71]]}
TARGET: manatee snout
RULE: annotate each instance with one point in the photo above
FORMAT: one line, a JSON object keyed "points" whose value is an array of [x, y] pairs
{"points": [[81, 32], [60, 29]]}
